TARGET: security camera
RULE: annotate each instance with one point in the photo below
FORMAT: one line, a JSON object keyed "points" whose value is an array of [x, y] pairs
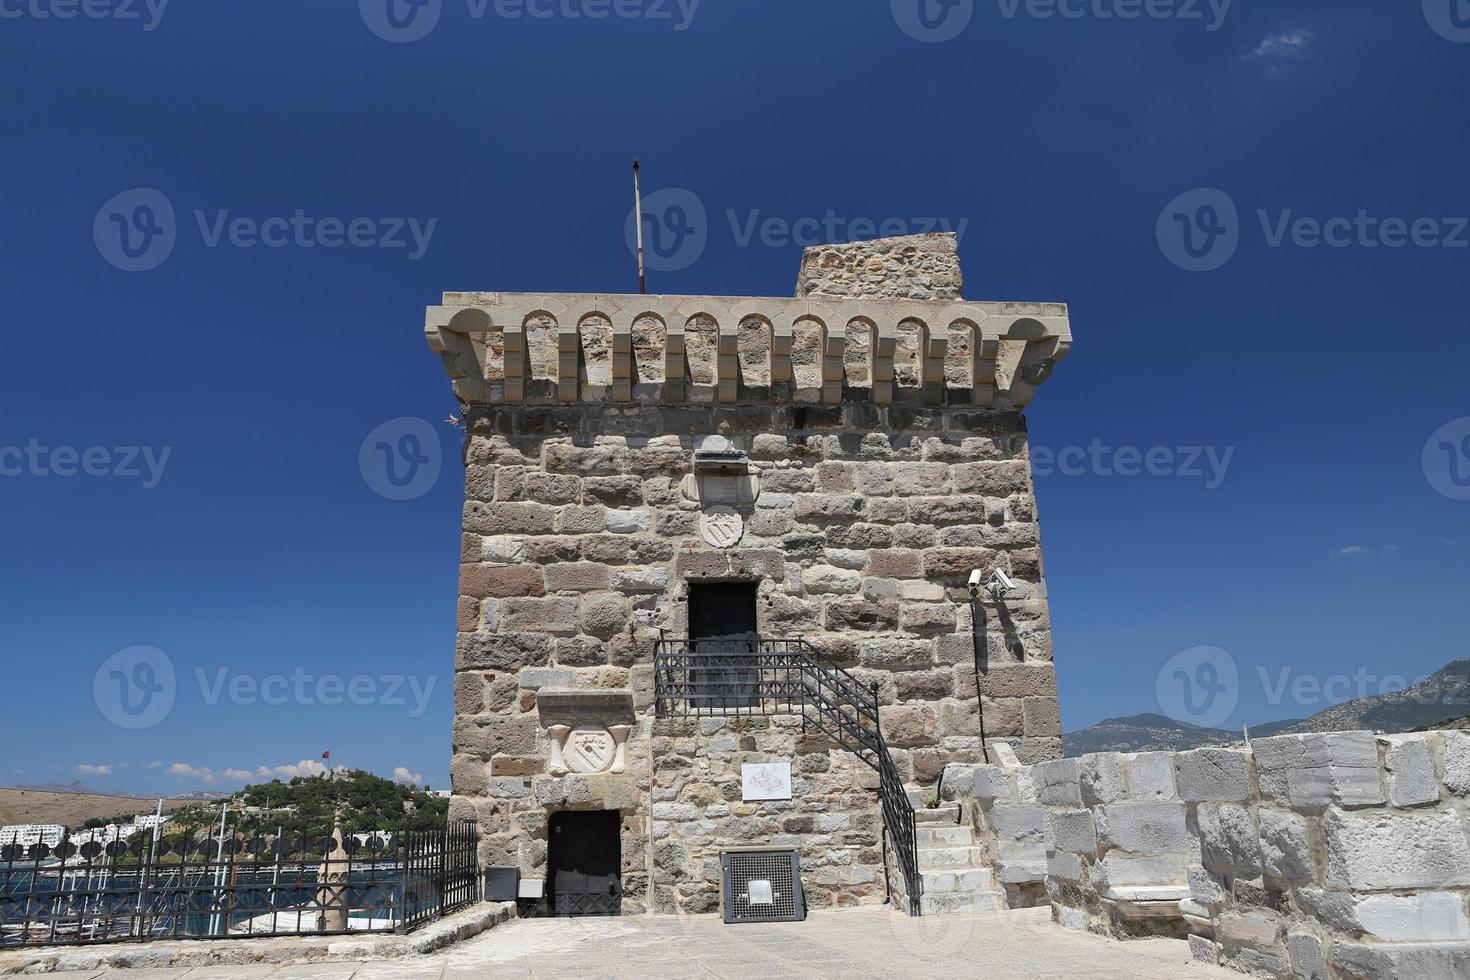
{"points": [[1001, 582], [976, 577]]}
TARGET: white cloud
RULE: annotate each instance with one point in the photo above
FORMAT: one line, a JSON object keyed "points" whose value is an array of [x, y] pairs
{"points": [[306, 767], [185, 771], [402, 775], [88, 770], [1357, 549], [1275, 47]]}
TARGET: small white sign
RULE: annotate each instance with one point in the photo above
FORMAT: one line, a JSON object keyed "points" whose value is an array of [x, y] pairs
{"points": [[758, 890], [765, 781]]}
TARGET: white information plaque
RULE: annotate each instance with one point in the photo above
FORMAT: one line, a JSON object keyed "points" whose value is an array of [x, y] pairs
{"points": [[765, 781]]}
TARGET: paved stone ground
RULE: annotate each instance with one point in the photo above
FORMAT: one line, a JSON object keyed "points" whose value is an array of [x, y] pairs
{"points": [[837, 945]]}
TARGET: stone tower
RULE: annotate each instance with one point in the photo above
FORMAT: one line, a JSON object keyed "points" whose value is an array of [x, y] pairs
{"points": [[818, 474]]}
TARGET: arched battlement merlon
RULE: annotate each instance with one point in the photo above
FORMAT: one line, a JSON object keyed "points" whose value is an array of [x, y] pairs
{"points": [[882, 344], [1047, 340], [783, 335], [460, 337], [676, 371], [621, 369], [569, 370], [515, 361], [727, 359]]}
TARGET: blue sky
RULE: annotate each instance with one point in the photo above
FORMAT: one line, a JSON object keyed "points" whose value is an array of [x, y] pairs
{"points": [[1333, 546]]}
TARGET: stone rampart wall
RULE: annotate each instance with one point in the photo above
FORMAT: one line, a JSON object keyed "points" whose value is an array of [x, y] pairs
{"points": [[1341, 855]]}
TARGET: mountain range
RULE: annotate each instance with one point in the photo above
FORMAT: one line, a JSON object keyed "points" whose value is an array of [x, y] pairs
{"points": [[1439, 701]]}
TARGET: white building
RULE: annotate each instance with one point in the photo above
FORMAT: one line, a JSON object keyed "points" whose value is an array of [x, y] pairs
{"points": [[148, 821], [32, 833], [105, 835]]}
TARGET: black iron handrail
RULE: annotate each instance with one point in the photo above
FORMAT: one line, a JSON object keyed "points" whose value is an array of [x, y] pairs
{"points": [[758, 676], [93, 888]]}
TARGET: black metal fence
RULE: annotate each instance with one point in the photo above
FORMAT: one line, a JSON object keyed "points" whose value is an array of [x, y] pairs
{"points": [[790, 676], [211, 887]]}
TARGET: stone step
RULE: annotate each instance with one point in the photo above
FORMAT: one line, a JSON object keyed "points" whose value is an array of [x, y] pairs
{"points": [[943, 814], [939, 835], [958, 880], [940, 903], [948, 858]]}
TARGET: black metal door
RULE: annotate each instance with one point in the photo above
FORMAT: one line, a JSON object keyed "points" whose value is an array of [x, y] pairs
{"points": [[586, 857], [718, 610], [722, 633]]}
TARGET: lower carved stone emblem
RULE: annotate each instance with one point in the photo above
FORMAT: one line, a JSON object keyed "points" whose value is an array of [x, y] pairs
{"points": [[721, 526], [588, 749]]}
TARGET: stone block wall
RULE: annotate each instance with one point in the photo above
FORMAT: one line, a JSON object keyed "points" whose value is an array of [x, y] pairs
{"points": [[833, 819], [1339, 855], [580, 542]]}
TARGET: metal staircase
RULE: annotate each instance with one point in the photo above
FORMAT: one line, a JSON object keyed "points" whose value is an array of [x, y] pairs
{"points": [[696, 678]]}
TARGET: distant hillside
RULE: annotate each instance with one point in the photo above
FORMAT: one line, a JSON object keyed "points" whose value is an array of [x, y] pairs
{"points": [[72, 808], [1461, 722], [1445, 694], [1155, 733], [1141, 733]]}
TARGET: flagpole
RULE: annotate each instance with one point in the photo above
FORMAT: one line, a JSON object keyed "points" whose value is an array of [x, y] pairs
{"points": [[638, 218]]}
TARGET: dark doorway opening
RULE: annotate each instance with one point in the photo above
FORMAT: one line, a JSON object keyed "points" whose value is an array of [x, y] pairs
{"points": [[722, 634], [585, 855]]}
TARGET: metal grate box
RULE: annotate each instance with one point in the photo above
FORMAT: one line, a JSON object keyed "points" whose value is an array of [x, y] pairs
{"points": [[762, 886]]}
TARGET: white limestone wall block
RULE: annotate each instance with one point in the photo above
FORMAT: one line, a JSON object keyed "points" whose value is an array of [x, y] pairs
{"points": [[1304, 953], [1074, 831], [1144, 828], [1204, 950], [1060, 864], [992, 783], [1410, 767], [1380, 851], [1421, 961], [1102, 778], [1288, 842], [1422, 917], [1228, 841], [1457, 762], [1058, 783], [1017, 862], [1320, 769], [1019, 823], [1258, 928], [1150, 776], [1205, 886], [1069, 917], [1115, 870], [1213, 775]]}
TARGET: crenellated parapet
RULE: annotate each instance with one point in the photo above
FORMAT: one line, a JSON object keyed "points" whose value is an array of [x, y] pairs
{"points": [[531, 348]]}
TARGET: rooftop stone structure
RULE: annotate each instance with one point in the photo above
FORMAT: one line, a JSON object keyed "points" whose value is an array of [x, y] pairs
{"points": [[845, 458]]}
